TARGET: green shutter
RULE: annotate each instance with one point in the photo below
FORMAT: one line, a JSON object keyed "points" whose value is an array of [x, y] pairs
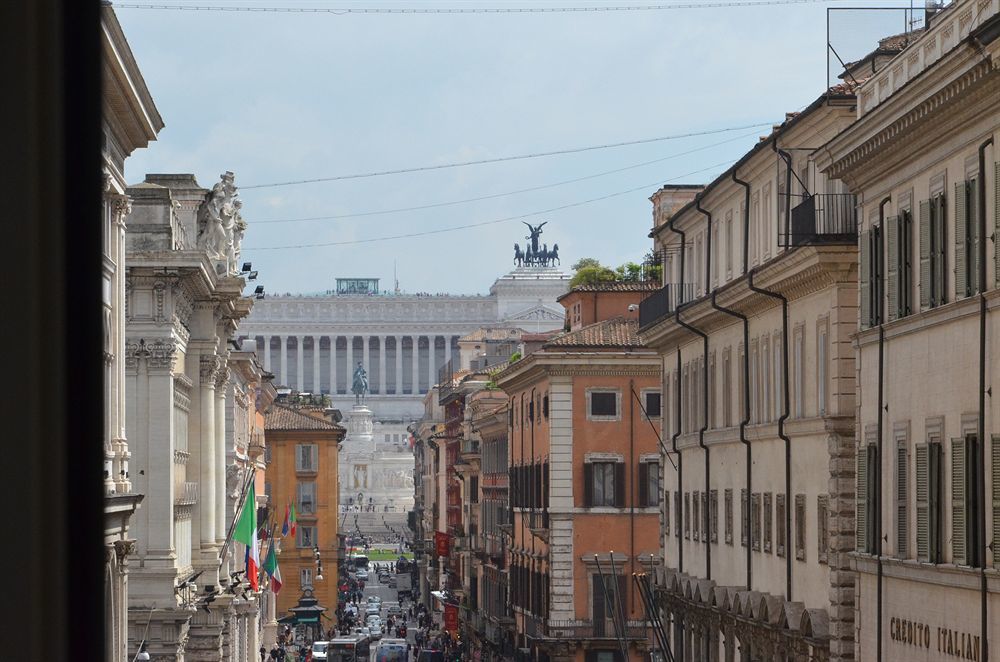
{"points": [[861, 473], [958, 550], [995, 475], [923, 503], [892, 268], [865, 277], [902, 496], [940, 245], [961, 220], [934, 501], [973, 220], [925, 254]]}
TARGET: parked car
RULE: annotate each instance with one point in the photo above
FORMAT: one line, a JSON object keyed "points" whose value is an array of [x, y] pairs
{"points": [[319, 650], [362, 575]]}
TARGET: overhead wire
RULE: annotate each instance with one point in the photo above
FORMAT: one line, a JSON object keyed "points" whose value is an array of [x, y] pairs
{"points": [[494, 221], [476, 10], [501, 159], [493, 196]]}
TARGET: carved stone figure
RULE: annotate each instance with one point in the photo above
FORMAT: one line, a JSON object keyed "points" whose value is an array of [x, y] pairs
{"points": [[221, 227]]}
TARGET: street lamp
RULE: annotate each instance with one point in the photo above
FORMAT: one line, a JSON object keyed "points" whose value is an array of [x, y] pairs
{"points": [[319, 565]]}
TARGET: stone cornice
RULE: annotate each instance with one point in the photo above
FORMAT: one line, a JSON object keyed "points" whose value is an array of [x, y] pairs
{"points": [[642, 363], [947, 97]]}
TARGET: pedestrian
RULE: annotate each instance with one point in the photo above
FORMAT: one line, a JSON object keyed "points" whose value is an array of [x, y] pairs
{"points": [[263, 653]]}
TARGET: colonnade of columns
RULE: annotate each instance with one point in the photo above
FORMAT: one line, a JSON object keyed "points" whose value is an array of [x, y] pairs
{"points": [[427, 353]]}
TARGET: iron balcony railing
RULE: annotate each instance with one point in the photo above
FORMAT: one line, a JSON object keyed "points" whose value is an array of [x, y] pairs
{"points": [[186, 495], [822, 218], [664, 302], [586, 630], [538, 519]]}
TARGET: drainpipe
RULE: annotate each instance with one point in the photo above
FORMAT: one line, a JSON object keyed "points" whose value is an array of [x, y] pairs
{"points": [[746, 365], [781, 429], [878, 454], [981, 423]]}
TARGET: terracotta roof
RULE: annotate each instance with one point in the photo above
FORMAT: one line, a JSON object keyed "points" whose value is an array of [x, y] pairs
{"points": [[496, 333], [615, 286], [540, 337], [281, 417], [615, 332]]}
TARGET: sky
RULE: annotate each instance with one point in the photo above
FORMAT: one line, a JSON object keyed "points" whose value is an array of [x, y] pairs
{"points": [[278, 97]]}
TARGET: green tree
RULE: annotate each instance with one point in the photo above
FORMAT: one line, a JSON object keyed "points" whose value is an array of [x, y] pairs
{"points": [[591, 275]]}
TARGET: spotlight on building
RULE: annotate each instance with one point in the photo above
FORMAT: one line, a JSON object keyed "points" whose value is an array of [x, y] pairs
{"points": [[246, 267]]}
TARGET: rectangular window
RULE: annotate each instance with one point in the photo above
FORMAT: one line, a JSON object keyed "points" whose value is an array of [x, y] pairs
{"points": [[904, 239], [779, 377], [767, 522], [727, 388], [740, 382], [766, 381], [798, 360], [755, 525], [696, 515], [713, 519], [687, 516], [744, 519], [933, 252], [603, 403], [712, 385], [966, 239], [966, 477], [603, 483], [678, 515], [822, 361], [728, 500], [653, 404], [666, 514], [822, 527], [779, 516], [306, 498], [305, 457], [653, 482], [306, 577], [305, 536], [800, 527], [900, 433], [754, 387], [730, 246]]}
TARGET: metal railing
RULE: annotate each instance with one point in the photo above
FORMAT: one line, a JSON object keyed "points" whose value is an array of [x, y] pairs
{"points": [[446, 381], [586, 630], [538, 519], [822, 218], [470, 447], [664, 302], [187, 494]]}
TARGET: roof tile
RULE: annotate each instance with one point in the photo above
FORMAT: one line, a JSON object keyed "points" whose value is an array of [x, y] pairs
{"points": [[282, 417], [615, 332]]}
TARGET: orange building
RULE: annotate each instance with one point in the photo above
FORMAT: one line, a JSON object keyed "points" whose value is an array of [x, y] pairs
{"points": [[584, 481], [589, 304], [302, 447]]}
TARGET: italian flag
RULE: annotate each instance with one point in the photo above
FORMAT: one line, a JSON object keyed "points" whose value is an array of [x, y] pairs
{"points": [[246, 533], [271, 568]]}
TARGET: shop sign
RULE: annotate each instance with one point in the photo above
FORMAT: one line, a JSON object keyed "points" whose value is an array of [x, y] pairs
{"points": [[451, 618], [441, 543], [953, 643]]}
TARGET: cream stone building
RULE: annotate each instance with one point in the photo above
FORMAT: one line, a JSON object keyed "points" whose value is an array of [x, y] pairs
{"points": [[131, 121], [753, 326], [183, 302], [922, 158]]}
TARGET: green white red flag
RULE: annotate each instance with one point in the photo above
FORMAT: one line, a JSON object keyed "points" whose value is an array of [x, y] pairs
{"points": [[246, 533]]}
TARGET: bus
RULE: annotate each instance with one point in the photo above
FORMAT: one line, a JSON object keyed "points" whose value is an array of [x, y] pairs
{"points": [[354, 648], [359, 561]]}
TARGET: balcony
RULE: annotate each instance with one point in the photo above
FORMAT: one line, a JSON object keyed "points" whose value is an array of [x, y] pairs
{"points": [[538, 522], [446, 382], [186, 495], [664, 302], [470, 447], [823, 218]]}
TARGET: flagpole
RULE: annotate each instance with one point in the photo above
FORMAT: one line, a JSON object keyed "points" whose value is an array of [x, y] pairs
{"points": [[236, 516], [270, 544]]}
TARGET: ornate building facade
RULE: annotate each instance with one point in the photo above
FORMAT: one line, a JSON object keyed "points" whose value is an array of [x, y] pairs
{"points": [[131, 121], [183, 302]]}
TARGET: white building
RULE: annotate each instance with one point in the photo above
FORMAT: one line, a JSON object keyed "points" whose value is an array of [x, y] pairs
{"points": [[401, 339], [183, 303], [131, 121]]}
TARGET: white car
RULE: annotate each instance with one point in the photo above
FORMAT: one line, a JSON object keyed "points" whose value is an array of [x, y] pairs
{"points": [[319, 650], [362, 575]]}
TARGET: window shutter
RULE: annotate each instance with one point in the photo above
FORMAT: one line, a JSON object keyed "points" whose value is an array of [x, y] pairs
{"points": [[705, 519], [995, 468], [972, 219], [902, 512], [588, 484], [961, 219], [958, 550], [666, 513], [678, 515], [643, 484], [861, 473], [923, 503], [996, 228], [619, 484], [940, 219], [925, 254], [865, 278], [934, 501], [314, 457], [892, 269]]}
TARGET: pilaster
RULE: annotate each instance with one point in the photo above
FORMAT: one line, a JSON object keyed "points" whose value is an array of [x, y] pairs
{"points": [[317, 381], [381, 365], [399, 365], [300, 381]]}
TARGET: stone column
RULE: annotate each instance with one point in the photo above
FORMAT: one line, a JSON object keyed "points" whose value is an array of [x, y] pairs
{"points": [[431, 367], [221, 384], [300, 376], [381, 365], [267, 353], [209, 370], [365, 357], [333, 365], [350, 361], [284, 360], [317, 382], [416, 365], [399, 364]]}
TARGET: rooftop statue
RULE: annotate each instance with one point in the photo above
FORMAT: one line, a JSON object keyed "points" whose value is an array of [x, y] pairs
{"points": [[360, 385], [533, 255], [221, 225]]}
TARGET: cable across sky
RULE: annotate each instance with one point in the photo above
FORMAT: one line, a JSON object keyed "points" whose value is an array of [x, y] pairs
{"points": [[494, 221], [477, 10], [501, 159]]}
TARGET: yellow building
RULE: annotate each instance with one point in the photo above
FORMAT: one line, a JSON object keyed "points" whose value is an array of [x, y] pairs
{"points": [[302, 446]]}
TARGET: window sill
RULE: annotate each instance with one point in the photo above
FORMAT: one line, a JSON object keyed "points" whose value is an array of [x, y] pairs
{"points": [[941, 574]]}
